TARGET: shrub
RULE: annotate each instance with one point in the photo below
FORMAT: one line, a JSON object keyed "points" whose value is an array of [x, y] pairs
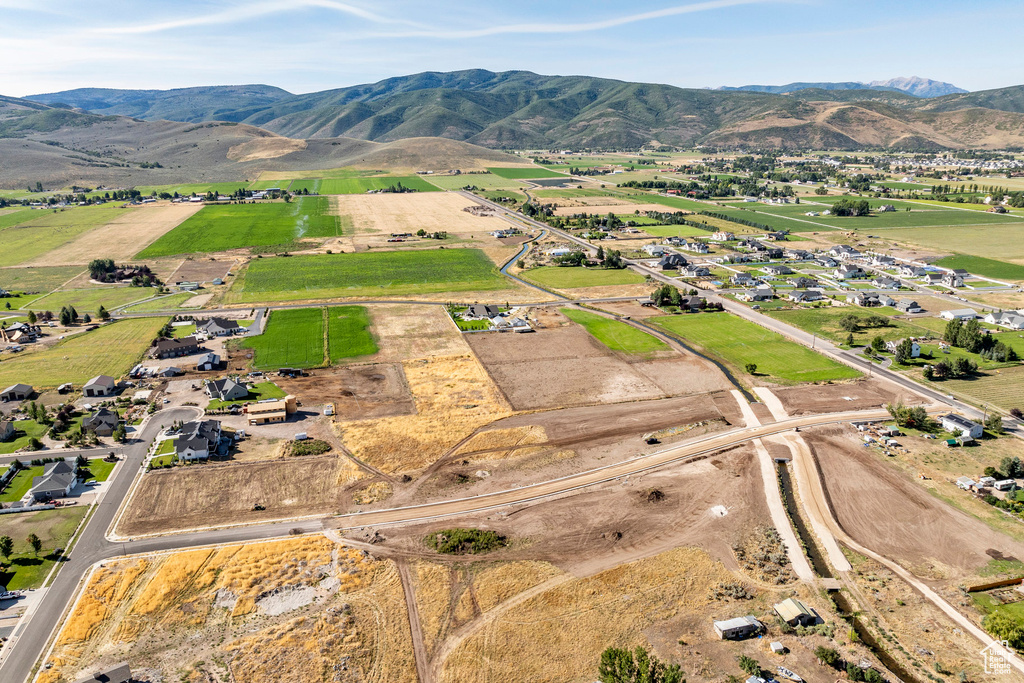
{"points": [[309, 447], [461, 541]]}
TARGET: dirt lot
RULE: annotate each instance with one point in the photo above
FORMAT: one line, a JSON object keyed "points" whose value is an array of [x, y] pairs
{"points": [[374, 217], [832, 398], [882, 509], [217, 494], [242, 614], [202, 269], [359, 392], [144, 226], [562, 365], [404, 332]]}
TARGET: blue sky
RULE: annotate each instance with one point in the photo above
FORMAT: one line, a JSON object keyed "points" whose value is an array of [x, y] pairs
{"points": [[307, 45]]}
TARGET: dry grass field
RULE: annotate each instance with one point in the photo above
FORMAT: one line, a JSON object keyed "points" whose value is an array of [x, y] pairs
{"points": [[453, 396], [375, 216], [404, 332], [121, 238], [202, 269], [219, 494], [244, 614]]}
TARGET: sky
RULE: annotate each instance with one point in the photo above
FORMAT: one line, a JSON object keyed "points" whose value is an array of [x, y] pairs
{"points": [[309, 45]]}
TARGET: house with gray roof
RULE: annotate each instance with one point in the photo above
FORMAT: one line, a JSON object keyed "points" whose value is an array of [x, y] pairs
{"points": [[226, 389], [6, 430], [197, 440], [208, 361], [102, 422], [57, 481], [218, 327], [175, 348]]}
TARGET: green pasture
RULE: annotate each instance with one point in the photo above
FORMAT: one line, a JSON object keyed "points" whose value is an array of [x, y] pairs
{"points": [[525, 173], [51, 229], [616, 335], [89, 300], [558, 277]]}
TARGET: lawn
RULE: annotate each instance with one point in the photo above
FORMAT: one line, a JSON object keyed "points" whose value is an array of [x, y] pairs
{"points": [[293, 338], [41, 279], [111, 350], [348, 332], [739, 342], [616, 335], [24, 430], [258, 392], [22, 482], [53, 527], [221, 227], [377, 273], [824, 322], [521, 173], [90, 300], [99, 469], [558, 277], [984, 267], [51, 229], [361, 185]]}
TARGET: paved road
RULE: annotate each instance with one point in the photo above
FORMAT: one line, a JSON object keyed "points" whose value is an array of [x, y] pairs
{"points": [[90, 547]]}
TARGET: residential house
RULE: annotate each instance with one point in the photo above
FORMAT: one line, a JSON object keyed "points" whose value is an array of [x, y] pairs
{"points": [[798, 254], [885, 208], [961, 426], [197, 440], [742, 279], [1011, 320], [883, 282], [912, 271], [695, 247], [843, 252], [954, 278], [19, 333], [226, 390], [175, 348], [740, 627], [931, 279], [218, 327], [908, 306], [480, 311], [16, 392], [959, 314], [915, 348], [803, 282], [119, 673], [795, 613], [763, 293], [693, 270], [847, 273], [653, 249], [803, 296], [6, 430], [208, 361], [883, 261], [776, 236], [826, 261], [100, 385], [869, 299], [722, 236], [693, 303], [675, 241], [778, 269], [672, 262], [102, 422], [58, 480]]}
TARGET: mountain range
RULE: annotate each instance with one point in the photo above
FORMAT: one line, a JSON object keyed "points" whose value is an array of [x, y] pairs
{"points": [[914, 85], [191, 128]]}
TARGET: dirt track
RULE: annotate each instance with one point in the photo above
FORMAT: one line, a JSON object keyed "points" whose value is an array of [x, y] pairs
{"points": [[884, 511]]}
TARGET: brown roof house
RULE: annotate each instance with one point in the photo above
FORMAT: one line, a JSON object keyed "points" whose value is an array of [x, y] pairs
{"points": [[103, 422], [175, 348]]}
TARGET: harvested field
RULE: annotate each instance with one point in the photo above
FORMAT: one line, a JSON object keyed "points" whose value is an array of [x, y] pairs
{"points": [[26, 242], [359, 392], [375, 216], [563, 365], [882, 509], [406, 331], [834, 398], [202, 269], [242, 613], [453, 397], [144, 226], [36, 279], [218, 494]]}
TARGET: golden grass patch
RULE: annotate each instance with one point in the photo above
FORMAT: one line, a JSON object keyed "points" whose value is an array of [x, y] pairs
{"points": [[453, 395], [433, 584], [375, 492], [109, 586], [496, 584]]}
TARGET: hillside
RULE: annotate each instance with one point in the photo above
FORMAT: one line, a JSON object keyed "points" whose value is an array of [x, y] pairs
{"points": [[913, 86]]}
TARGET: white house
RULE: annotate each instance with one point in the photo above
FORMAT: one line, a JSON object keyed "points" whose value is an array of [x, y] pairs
{"points": [[722, 236], [960, 425], [959, 314], [915, 348], [740, 627], [801, 296], [847, 272], [653, 249], [1011, 320]]}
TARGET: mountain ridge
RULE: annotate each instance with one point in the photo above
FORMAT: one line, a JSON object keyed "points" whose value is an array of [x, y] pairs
{"points": [[912, 85]]}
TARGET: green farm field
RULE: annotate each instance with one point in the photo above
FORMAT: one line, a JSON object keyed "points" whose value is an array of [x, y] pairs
{"points": [[51, 229], [367, 274], [739, 342], [231, 226], [42, 279], [293, 338], [616, 335], [525, 173], [674, 231], [271, 184], [361, 185], [111, 350], [557, 277], [189, 189], [90, 300], [348, 333], [9, 218], [1000, 242], [985, 267]]}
